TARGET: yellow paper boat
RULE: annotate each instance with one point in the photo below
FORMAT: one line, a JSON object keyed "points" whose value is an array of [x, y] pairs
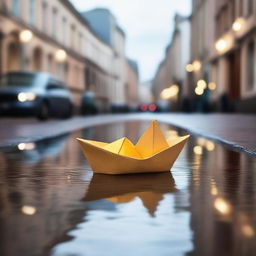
{"points": [[152, 153]]}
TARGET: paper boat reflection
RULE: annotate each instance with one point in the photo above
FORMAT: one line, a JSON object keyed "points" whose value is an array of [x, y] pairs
{"points": [[152, 153], [150, 188]]}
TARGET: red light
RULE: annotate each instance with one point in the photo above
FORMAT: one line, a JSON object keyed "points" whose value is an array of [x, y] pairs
{"points": [[152, 107], [143, 107]]}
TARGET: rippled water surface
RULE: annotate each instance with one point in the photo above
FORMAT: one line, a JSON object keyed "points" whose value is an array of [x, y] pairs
{"points": [[52, 204]]}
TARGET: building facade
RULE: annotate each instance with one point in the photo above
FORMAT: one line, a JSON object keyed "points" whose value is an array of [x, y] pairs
{"points": [[223, 47], [52, 36], [171, 75], [233, 64], [105, 25], [221, 73], [132, 82]]}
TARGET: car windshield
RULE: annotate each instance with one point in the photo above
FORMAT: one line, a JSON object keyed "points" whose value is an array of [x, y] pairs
{"points": [[17, 79]]}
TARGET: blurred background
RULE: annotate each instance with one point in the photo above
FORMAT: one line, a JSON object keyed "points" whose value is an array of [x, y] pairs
{"points": [[60, 57]]}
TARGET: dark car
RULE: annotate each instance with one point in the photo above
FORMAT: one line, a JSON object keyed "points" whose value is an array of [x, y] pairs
{"points": [[89, 104], [34, 93]]}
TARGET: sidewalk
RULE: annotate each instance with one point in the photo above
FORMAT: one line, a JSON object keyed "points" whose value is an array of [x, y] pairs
{"points": [[236, 131]]}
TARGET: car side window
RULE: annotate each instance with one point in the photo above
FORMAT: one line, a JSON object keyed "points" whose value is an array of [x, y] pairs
{"points": [[53, 85]]}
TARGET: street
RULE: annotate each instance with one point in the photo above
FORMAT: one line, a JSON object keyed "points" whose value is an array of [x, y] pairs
{"points": [[52, 203], [235, 130]]}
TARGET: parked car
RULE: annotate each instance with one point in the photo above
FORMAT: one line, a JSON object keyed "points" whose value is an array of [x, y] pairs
{"points": [[89, 104], [34, 93]]}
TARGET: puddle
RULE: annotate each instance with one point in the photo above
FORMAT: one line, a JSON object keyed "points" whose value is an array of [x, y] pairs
{"points": [[52, 204]]}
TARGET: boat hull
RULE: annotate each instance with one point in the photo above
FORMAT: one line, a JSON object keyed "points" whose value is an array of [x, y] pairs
{"points": [[105, 162]]}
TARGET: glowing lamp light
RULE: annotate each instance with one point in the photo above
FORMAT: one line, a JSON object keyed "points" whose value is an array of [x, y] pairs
{"points": [[26, 146], [152, 107], [189, 68], [214, 190], [25, 36], [198, 150], [247, 230], [143, 107], [170, 92], [199, 91], [26, 96], [60, 55], [210, 146], [28, 210], [197, 65], [202, 84], [212, 86], [221, 45], [222, 206], [238, 24]]}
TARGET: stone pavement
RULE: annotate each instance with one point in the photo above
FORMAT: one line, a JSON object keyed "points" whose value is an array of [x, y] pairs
{"points": [[235, 130]]}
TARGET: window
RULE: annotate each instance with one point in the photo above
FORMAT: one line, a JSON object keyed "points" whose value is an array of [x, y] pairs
{"points": [[249, 7], [44, 18], [80, 42], [250, 65], [64, 29], [54, 22], [72, 36], [241, 8], [16, 7], [32, 11]]}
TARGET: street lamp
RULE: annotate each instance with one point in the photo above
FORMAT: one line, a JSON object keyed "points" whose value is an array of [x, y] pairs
{"points": [[60, 55], [189, 68], [238, 24], [202, 84], [221, 45], [212, 86], [197, 65], [199, 91], [25, 36], [170, 92]]}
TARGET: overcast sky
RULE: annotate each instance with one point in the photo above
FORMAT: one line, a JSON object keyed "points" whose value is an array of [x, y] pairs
{"points": [[148, 25]]}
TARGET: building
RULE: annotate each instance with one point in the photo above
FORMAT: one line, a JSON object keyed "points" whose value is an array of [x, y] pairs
{"points": [[234, 61], [223, 54], [52, 36], [105, 25], [170, 83], [132, 81]]}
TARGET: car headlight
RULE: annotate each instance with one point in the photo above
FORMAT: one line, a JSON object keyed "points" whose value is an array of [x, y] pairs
{"points": [[26, 96]]}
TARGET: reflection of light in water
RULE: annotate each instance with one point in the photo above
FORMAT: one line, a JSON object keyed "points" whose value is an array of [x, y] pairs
{"points": [[222, 206], [198, 150], [26, 146], [210, 146], [28, 210], [201, 141], [214, 190], [247, 230]]}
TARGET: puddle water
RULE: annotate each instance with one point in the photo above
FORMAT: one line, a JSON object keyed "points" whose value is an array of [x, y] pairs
{"points": [[52, 204]]}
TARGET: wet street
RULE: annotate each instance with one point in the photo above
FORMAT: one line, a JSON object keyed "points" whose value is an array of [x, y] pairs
{"points": [[52, 204]]}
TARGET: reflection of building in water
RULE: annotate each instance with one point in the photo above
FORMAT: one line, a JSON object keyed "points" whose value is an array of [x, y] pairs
{"points": [[222, 202], [38, 198]]}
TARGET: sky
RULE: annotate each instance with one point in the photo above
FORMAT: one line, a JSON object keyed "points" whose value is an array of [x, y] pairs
{"points": [[148, 25]]}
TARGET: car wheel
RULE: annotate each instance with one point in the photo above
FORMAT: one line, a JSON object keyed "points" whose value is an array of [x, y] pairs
{"points": [[69, 112], [43, 113]]}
